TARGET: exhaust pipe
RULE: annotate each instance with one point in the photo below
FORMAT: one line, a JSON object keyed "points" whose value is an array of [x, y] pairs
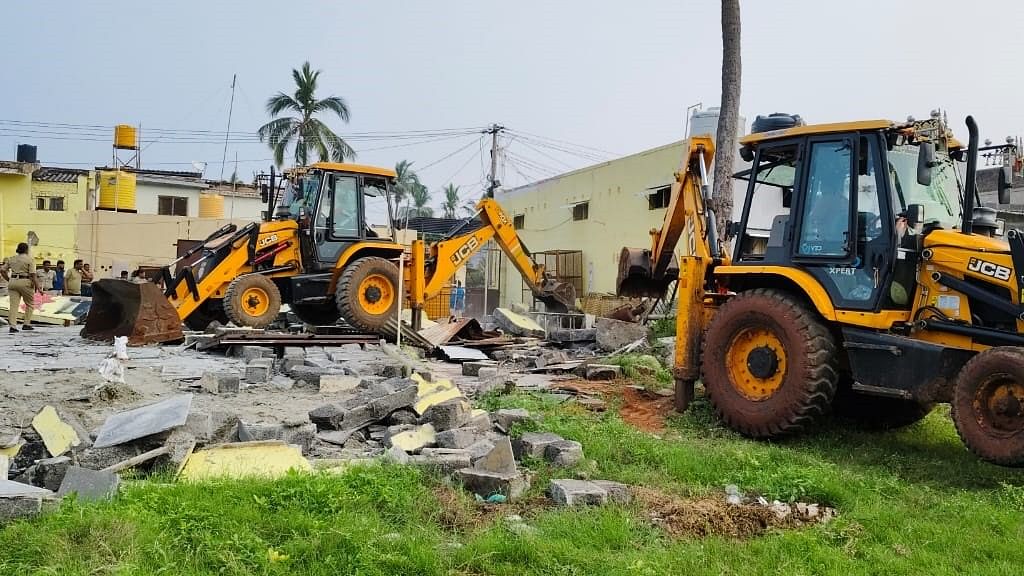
{"points": [[971, 186]]}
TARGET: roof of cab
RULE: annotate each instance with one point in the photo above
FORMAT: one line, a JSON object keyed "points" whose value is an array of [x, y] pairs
{"points": [[810, 129], [357, 168]]}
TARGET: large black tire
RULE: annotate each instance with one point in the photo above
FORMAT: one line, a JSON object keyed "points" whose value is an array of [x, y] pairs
{"points": [[769, 365], [325, 314], [877, 412], [252, 301], [212, 310], [988, 405], [367, 293]]}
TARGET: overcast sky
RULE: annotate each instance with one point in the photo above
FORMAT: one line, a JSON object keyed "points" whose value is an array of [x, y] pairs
{"points": [[612, 76]]}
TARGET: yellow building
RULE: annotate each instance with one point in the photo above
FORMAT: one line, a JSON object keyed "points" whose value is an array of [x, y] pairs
{"points": [[41, 202], [15, 187]]}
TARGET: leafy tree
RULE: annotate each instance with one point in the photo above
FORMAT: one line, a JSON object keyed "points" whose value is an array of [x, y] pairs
{"points": [[308, 134], [451, 201], [405, 182]]}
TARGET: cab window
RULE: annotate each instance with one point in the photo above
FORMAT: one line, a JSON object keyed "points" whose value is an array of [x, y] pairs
{"points": [[345, 211], [825, 219]]}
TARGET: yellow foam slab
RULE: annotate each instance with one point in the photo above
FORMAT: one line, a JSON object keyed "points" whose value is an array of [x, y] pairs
{"points": [[270, 459], [57, 436]]}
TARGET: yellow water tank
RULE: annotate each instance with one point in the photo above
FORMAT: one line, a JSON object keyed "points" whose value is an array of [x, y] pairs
{"points": [[124, 137], [117, 191], [211, 206]]}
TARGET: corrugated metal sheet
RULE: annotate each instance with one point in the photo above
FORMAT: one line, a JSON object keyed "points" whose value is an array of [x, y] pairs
{"points": [[62, 175]]}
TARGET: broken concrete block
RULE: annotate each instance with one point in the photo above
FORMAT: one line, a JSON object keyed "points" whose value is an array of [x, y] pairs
{"points": [[46, 473], [512, 485], [479, 450], [338, 383], [617, 492], [461, 437], [250, 353], [309, 376], [269, 458], [569, 335], [211, 428], [100, 458], [506, 417], [301, 436], [613, 335], [145, 421], [395, 371], [567, 492], [517, 324], [533, 444], [486, 372], [16, 507], [220, 382], [500, 460], [449, 414], [480, 420], [318, 361], [403, 416], [592, 404], [603, 371], [396, 455], [472, 368], [443, 460], [564, 453], [180, 444], [282, 383], [57, 435], [412, 439], [259, 371], [89, 484]]}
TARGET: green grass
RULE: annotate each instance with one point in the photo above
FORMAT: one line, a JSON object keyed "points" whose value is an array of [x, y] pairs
{"points": [[910, 502], [643, 369]]}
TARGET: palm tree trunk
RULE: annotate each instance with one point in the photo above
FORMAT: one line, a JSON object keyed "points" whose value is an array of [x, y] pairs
{"points": [[728, 116]]}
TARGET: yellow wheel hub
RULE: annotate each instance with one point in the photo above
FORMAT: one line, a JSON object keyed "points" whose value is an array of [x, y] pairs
{"points": [[999, 403], [376, 294], [756, 362], [255, 301]]}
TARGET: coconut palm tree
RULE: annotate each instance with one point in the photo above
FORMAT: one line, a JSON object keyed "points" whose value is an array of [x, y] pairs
{"points": [[308, 134], [451, 201], [420, 198], [728, 115], [405, 181]]}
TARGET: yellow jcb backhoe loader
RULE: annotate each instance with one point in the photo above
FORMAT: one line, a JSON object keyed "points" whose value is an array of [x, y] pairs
{"points": [[880, 290], [318, 254]]}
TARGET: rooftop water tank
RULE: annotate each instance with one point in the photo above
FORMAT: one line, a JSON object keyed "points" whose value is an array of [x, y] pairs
{"points": [[117, 191], [26, 153], [211, 205], [124, 137]]}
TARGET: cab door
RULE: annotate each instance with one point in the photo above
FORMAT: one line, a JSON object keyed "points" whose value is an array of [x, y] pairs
{"points": [[338, 217], [844, 235]]}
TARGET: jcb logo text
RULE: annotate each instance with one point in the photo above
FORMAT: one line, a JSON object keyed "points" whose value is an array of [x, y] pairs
{"points": [[989, 269]]}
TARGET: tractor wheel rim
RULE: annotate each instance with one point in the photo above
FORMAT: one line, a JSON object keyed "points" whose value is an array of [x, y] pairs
{"points": [[756, 363], [255, 301], [376, 294], [999, 405]]}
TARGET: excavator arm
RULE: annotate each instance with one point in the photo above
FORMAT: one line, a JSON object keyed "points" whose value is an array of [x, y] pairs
{"points": [[432, 266]]}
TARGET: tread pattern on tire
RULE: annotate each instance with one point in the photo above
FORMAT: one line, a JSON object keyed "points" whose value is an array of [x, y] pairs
{"points": [[348, 284], [990, 453], [233, 295], [815, 398]]}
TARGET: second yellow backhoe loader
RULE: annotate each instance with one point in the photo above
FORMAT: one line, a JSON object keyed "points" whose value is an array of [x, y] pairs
{"points": [[881, 290], [317, 253]]}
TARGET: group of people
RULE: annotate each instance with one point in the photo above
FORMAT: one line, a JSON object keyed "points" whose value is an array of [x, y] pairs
{"points": [[21, 280]]}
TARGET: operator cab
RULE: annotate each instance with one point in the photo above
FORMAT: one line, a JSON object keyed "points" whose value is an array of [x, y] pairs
{"points": [[336, 205], [848, 204]]}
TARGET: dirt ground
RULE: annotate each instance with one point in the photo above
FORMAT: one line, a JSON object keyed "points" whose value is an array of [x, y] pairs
{"points": [[642, 408]]}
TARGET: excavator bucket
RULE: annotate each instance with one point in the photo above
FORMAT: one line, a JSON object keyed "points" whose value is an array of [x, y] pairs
{"points": [[635, 278], [558, 296], [139, 311]]}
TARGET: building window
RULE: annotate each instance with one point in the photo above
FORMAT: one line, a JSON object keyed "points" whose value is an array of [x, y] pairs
{"points": [[659, 198], [172, 206], [581, 211], [519, 221], [51, 203]]}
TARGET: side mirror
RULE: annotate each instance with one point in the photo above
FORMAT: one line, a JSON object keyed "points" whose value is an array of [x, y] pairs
{"points": [[1005, 180], [747, 153], [915, 215], [264, 194], [925, 161]]}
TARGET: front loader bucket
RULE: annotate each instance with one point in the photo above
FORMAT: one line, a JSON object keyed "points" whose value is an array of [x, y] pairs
{"points": [[635, 278], [139, 311], [558, 296]]}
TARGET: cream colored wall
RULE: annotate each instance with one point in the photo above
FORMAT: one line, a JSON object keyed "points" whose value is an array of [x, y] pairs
{"points": [[115, 241], [55, 229], [618, 214]]}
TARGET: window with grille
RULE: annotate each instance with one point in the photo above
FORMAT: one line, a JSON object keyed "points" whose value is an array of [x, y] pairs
{"points": [[581, 211], [172, 206], [519, 221], [659, 198], [51, 203]]}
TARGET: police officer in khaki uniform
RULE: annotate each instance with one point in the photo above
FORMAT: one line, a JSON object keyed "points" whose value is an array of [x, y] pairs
{"points": [[22, 286]]}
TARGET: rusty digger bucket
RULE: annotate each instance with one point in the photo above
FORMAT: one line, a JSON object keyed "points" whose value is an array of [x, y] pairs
{"points": [[139, 311]]}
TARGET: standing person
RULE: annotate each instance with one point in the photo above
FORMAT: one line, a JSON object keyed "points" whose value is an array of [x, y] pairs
{"points": [[73, 279], [46, 276], [86, 280], [124, 275], [460, 299], [58, 278], [5, 276], [22, 286]]}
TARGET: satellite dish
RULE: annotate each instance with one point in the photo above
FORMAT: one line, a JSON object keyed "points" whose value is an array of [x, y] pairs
{"points": [[32, 238]]}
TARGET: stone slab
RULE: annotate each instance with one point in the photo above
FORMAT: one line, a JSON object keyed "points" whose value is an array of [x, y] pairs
{"points": [[517, 324], [338, 383], [144, 421], [89, 485], [500, 460], [533, 444], [613, 335], [485, 484], [10, 489], [564, 453], [569, 492]]}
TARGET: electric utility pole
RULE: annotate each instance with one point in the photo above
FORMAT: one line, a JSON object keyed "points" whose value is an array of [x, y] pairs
{"points": [[492, 185], [231, 108]]}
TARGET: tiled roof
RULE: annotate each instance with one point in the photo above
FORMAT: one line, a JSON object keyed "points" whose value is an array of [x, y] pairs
{"points": [[53, 174], [437, 226], [177, 173]]}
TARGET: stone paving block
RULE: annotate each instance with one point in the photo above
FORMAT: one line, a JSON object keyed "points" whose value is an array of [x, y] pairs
{"points": [[487, 372], [603, 371], [472, 368], [480, 420], [449, 414], [282, 383], [533, 444], [250, 353], [483, 483], [479, 450], [46, 473], [564, 453], [506, 417], [568, 492], [443, 460], [328, 416], [611, 335], [220, 382], [89, 484], [338, 383], [617, 492], [460, 437], [17, 507], [403, 416], [144, 421], [499, 460], [259, 371]]}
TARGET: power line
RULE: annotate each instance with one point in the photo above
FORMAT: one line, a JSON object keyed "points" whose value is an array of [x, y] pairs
{"points": [[445, 157], [566, 142]]}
